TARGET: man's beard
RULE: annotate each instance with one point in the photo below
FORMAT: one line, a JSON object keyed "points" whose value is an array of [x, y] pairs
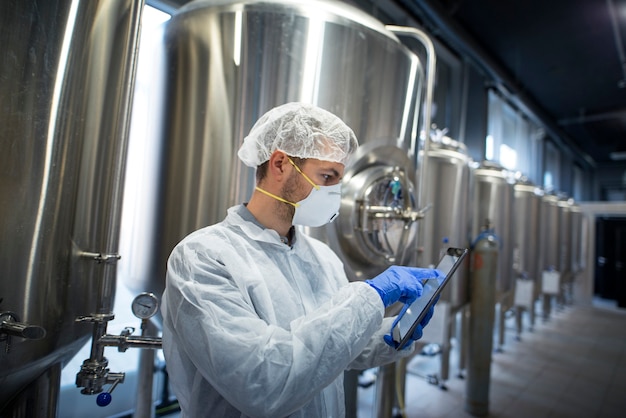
{"points": [[289, 192]]}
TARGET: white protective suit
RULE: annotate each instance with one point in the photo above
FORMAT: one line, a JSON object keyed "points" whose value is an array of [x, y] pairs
{"points": [[254, 327]]}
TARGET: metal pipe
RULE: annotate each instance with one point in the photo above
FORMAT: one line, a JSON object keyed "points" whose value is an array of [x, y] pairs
{"points": [[385, 391], [93, 373], [124, 342], [431, 67], [9, 325], [389, 382], [144, 404]]}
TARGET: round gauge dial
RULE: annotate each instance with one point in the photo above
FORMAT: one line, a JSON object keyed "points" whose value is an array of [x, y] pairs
{"points": [[145, 305]]}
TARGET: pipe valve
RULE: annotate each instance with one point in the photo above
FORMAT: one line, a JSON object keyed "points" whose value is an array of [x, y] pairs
{"points": [[10, 325]]}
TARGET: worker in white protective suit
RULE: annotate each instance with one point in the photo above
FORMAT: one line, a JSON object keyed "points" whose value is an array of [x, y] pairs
{"points": [[260, 319]]}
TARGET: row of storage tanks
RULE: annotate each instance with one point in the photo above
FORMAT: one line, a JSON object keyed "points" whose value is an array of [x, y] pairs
{"points": [[223, 65], [538, 231]]}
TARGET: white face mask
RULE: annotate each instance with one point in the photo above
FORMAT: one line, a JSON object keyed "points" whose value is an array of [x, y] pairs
{"points": [[320, 207]]}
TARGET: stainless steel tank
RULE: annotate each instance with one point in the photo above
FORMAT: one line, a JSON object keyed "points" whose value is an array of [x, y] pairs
{"points": [[67, 68], [527, 232], [229, 62], [446, 224], [565, 239], [549, 240], [549, 249], [492, 204], [577, 237]]}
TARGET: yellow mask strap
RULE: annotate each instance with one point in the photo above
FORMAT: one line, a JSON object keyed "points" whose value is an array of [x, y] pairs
{"points": [[305, 176], [295, 205]]}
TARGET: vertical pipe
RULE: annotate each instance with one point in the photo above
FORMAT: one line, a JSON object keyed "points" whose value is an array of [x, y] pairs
{"points": [[144, 405], [113, 52], [428, 100], [385, 391], [483, 271], [464, 339], [350, 387]]}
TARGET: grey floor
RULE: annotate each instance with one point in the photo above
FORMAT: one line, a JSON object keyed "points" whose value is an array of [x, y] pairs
{"points": [[573, 365]]}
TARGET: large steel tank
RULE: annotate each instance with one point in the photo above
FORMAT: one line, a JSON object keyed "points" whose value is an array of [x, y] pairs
{"points": [[549, 249], [549, 240], [578, 235], [527, 232], [67, 71], [229, 62], [492, 206], [565, 239], [447, 223]]}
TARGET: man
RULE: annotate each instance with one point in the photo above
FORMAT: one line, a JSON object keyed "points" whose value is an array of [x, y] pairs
{"points": [[260, 319]]}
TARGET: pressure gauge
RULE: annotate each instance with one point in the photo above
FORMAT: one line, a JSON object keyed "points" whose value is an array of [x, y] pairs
{"points": [[145, 305]]}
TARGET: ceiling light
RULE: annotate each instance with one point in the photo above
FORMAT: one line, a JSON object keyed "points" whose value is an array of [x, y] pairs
{"points": [[618, 156]]}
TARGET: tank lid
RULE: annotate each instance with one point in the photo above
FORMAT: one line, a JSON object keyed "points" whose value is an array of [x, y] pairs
{"points": [[551, 197], [440, 140], [493, 169], [523, 183], [338, 9]]}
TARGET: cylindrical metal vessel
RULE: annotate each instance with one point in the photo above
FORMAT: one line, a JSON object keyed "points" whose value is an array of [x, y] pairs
{"points": [[483, 273], [67, 71], [229, 62], [492, 203], [549, 239], [565, 239], [527, 219], [577, 237], [446, 224]]}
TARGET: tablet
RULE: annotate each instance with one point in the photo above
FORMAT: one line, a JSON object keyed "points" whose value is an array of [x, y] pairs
{"points": [[411, 315]]}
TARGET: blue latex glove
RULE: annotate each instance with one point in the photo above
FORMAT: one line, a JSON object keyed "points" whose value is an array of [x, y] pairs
{"points": [[401, 284]]}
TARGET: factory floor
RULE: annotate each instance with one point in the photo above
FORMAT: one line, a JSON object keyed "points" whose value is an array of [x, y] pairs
{"points": [[572, 365]]}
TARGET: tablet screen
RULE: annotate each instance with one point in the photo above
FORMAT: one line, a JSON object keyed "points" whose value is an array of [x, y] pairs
{"points": [[411, 315]]}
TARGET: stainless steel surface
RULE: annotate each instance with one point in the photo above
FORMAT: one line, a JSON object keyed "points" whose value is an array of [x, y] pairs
{"points": [[527, 220], [483, 273], [386, 390], [376, 226], [10, 326], [578, 234], [227, 64], [549, 243], [126, 341], [565, 239], [145, 402], [549, 240], [39, 398], [447, 186], [528, 199], [431, 72], [492, 201], [64, 101]]}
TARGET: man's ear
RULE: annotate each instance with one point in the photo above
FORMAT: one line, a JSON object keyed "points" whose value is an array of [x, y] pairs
{"points": [[278, 165]]}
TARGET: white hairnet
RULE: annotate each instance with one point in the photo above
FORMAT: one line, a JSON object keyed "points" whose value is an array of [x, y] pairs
{"points": [[299, 130]]}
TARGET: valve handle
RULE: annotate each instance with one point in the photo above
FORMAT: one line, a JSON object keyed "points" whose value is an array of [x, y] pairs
{"points": [[104, 399]]}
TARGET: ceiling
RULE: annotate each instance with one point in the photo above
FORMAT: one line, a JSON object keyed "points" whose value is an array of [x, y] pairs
{"points": [[563, 59]]}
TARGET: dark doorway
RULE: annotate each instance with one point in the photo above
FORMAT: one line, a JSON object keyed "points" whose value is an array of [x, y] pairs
{"points": [[610, 265]]}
